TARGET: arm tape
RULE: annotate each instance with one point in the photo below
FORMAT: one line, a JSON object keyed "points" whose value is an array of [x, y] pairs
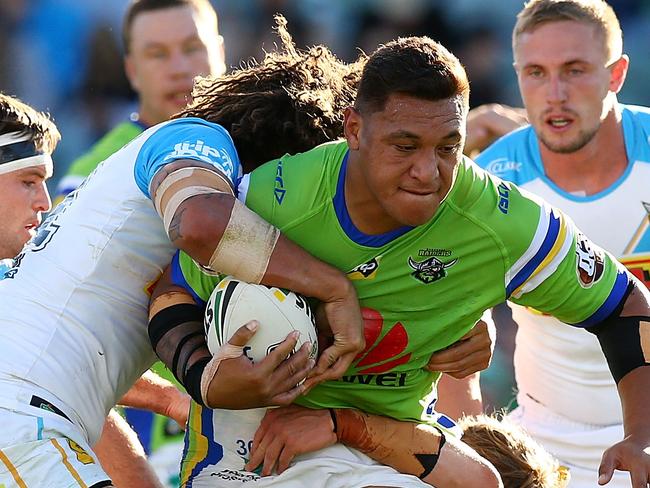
{"points": [[376, 436], [184, 183], [171, 317], [246, 245], [193, 380], [182, 373], [625, 341]]}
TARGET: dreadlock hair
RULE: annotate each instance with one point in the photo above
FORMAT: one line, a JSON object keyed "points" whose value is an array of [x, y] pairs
{"points": [[16, 116], [521, 462], [290, 102]]}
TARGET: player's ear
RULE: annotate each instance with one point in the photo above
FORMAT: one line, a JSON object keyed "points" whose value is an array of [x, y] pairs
{"points": [[618, 73], [352, 126]]}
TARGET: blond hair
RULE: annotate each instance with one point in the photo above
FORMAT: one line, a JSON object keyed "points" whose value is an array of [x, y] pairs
{"points": [[521, 462], [594, 12]]}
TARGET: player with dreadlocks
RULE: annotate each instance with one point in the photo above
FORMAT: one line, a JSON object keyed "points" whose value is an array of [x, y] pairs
{"points": [[108, 242]]}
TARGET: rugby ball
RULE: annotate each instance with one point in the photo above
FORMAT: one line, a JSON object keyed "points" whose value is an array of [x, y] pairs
{"points": [[279, 312]]}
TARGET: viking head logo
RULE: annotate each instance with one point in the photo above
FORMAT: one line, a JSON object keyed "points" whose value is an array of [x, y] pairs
{"points": [[430, 270]]}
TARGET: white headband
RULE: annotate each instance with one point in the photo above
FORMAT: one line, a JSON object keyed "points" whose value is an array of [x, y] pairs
{"points": [[29, 161]]}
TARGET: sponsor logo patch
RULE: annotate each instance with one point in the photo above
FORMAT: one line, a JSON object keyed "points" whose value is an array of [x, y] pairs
{"points": [[501, 166], [201, 151], [279, 190], [365, 271], [504, 198], [82, 456], [590, 262]]}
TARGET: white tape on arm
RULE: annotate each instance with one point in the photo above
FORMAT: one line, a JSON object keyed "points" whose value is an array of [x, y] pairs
{"points": [[184, 183], [245, 248], [226, 351]]}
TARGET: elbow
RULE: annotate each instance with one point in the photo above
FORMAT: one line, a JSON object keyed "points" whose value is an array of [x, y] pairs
{"points": [[199, 223]]}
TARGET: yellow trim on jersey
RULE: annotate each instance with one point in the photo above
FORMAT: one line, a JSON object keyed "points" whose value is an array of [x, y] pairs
{"points": [[66, 463], [12, 469], [197, 443], [557, 251]]}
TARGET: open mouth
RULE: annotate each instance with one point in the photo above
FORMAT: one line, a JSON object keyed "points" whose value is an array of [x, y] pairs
{"points": [[180, 98], [559, 121]]}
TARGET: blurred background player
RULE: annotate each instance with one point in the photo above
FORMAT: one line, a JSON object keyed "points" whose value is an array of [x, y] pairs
{"points": [[167, 43], [27, 139], [588, 155]]}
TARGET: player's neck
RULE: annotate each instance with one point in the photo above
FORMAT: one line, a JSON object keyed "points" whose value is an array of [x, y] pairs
{"points": [[364, 211], [594, 167]]}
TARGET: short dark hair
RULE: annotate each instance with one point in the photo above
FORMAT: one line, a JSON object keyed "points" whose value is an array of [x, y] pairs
{"points": [[136, 7], [414, 66], [290, 102], [16, 116]]}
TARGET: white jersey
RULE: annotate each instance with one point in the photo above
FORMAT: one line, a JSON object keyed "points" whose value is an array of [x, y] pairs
{"points": [[73, 308], [563, 367]]}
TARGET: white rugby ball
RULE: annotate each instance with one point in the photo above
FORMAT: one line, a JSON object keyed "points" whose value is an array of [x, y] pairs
{"points": [[279, 312]]}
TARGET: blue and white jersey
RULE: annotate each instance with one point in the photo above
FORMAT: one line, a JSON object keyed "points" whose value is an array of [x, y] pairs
{"points": [[5, 265], [563, 367], [73, 313]]}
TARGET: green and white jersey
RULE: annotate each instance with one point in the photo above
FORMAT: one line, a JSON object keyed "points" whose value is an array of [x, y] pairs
{"points": [[423, 288]]}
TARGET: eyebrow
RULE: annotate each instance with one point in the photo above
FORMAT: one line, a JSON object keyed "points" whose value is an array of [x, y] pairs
{"points": [[566, 63], [159, 45], [38, 172]]}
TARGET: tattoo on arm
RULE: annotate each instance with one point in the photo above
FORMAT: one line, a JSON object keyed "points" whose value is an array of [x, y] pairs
{"points": [[175, 226]]}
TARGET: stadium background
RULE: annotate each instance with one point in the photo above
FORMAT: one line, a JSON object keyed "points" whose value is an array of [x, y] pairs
{"points": [[64, 57]]}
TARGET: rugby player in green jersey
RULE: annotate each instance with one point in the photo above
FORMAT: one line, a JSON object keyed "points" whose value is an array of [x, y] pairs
{"points": [[444, 241]]}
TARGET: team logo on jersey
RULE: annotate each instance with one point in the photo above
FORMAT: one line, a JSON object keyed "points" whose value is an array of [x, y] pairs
{"points": [[590, 262], [430, 270], [278, 188], [82, 456], [365, 271], [427, 252]]}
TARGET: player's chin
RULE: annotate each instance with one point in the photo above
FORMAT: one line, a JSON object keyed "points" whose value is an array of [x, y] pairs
{"points": [[417, 216]]}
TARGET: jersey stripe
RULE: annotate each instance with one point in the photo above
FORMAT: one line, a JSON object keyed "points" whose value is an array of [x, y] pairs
{"points": [[204, 452], [66, 463], [12, 469], [551, 262], [613, 300], [547, 234]]}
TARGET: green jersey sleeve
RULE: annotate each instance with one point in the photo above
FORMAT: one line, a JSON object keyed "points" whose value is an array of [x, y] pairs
{"points": [[549, 264]]}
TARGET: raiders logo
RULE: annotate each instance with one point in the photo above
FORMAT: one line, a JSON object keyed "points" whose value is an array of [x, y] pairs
{"points": [[590, 262], [430, 270]]}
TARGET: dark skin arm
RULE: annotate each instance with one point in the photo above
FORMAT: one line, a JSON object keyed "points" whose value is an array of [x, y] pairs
{"points": [[198, 225]]}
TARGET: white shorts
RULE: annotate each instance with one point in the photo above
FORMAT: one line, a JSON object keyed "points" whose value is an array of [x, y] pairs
{"points": [[41, 449], [576, 445], [220, 462]]}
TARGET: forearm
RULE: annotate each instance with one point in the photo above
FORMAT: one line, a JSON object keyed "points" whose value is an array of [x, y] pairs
{"points": [[634, 391], [151, 392], [206, 222], [459, 397], [416, 449], [122, 456]]}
